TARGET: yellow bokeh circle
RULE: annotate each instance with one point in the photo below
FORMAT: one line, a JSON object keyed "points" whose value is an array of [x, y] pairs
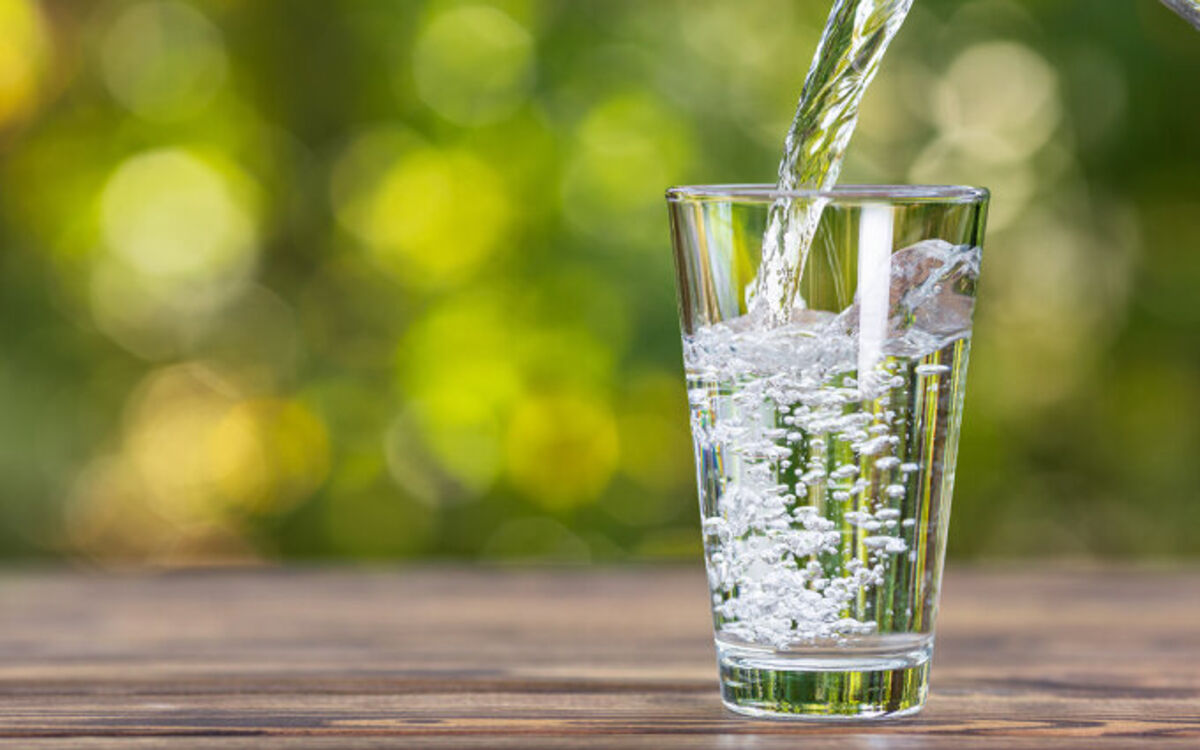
{"points": [[561, 450], [203, 452], [435, 216], [267, 454], [24, 51]]}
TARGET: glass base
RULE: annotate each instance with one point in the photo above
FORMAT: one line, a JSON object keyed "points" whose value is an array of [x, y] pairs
{"points": [[824, 685]]}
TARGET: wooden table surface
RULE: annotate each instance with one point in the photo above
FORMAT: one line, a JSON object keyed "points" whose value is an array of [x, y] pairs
{"points": [[538, 659]]}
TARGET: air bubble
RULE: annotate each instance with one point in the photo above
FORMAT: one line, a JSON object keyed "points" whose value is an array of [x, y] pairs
{"points": [[765, 395], [845, 471], [873, 446]]}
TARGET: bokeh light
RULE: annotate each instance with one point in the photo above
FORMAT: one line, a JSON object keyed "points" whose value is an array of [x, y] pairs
{"points": [[394, 279], [996, 107], [163, 59], [998, 102], [177, 220], [562, 449], [473, 64], [462, 377], [431, 217], [198, 458], [171, 421], [24, 53], [623, 146], [181, 240], [478, 369], [268, 454]]}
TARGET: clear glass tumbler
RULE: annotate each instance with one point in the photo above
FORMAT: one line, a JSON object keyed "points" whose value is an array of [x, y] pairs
{"points": [[826, 441]]}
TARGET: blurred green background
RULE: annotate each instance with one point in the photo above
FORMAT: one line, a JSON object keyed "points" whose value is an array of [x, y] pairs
{"points": [[311, 279]]}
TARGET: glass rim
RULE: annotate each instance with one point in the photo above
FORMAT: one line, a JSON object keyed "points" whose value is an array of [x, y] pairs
{"points": [[763, 193]]}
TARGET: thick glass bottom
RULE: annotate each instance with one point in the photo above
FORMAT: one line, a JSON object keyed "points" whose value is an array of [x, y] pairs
{"points": [[833, 684]]}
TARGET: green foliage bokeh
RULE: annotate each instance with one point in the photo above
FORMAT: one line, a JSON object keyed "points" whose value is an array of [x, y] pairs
{"points": [[309, 279]]}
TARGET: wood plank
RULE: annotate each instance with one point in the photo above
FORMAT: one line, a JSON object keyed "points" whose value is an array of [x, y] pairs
{"points": [[530, 659]]}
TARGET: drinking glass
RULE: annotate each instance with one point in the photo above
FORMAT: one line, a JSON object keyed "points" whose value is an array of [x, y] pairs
{"points": [[826, 438]]}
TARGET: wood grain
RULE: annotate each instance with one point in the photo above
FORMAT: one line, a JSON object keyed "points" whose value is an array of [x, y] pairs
{"points": [[532, 659]]}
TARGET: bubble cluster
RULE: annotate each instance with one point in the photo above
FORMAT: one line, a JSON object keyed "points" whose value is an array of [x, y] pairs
{"points": [[813, 475]]}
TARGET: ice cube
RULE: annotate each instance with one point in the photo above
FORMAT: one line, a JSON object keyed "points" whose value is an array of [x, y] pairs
{"points": [[931, 299], [933, 293]]}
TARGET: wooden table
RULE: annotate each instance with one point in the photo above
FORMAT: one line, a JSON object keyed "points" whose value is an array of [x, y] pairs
{"points": [[539, 659]]}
